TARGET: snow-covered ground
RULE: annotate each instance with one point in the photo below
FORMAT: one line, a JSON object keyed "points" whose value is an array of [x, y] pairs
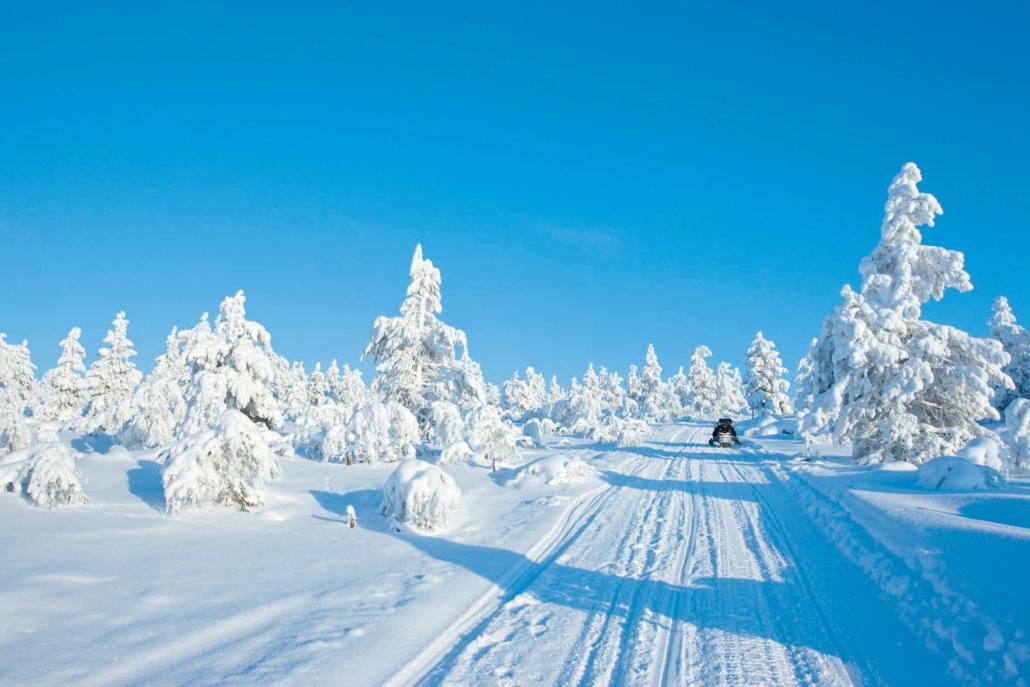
{"points": [[672, 563]]}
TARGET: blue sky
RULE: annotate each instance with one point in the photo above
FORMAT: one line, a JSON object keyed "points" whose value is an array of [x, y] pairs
{"points": [[588, 178]]}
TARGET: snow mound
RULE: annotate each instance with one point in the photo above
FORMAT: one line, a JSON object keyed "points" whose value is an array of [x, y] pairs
{"points": [[458, 452], [225, 465], [45, 474], [765, 426], [987, 452], [958, 474], [555, 470], [421, 495]]}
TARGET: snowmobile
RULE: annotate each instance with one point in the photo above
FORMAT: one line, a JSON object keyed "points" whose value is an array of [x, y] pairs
{"points": [[724, 435]]}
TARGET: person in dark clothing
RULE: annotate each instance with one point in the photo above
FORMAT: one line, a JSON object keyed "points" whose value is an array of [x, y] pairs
{"points": [[724, 426]]}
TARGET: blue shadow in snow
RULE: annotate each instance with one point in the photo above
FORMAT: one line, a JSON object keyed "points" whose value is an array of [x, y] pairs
{"points": [[146, 485], [365, 502]]}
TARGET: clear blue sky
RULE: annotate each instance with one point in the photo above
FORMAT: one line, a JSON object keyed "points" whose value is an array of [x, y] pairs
{"points": [[589, 179]]}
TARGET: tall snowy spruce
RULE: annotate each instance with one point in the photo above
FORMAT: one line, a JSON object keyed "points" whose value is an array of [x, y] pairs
{"points": [[896, 386], [111, 380], [654, 394], [765, 387], [230, 367], [1016, 342], [18, 394], [222, 454], [729, 393], [64, 391], [420, 359]]}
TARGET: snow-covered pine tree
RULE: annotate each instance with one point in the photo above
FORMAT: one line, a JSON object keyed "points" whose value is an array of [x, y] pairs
{"points": [[653, 392], [112, 378], [318, 387], [612, 393], [291, 388], [18, 394], [64, 390], [417, 356], [1016, 342], [226, 464], [634, 389], [703, 391], [764, 384], [524, 398], [159, 401], [899, 387], [729, 386], [232, 366]]}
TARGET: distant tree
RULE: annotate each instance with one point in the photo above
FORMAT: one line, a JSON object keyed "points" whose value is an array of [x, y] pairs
{"points": [[64, 389], [729, 386], [1015, 340], [764, 384], [18, 394], [111, 379], [159, 401], [702, 386]]}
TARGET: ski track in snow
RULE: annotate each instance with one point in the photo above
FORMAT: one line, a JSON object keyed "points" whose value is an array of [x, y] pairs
{"points": [[678, 573]]}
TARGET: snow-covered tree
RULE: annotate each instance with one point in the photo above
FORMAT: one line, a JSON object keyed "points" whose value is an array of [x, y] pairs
{"points": [[702, 386], [524, 398], [232, 366], [419, 359], [729, 387], [226, 464], [611, 392], [1017, 425], [381, 433], [18, 394], [896, 386], [111, 379], [318, 387], [634, 389], [64, 390], [159, 401], [290, 388], [44, 473], [1016, 342], [346, 387], [421, 495], [653, 392], [491, 438], [765, 387]]}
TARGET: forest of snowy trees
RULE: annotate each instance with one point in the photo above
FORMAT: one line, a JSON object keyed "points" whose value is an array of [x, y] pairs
{"points": [[223, 410]]}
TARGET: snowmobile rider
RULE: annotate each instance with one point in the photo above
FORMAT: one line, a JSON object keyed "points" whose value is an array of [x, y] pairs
{"points": [[724, 426]]}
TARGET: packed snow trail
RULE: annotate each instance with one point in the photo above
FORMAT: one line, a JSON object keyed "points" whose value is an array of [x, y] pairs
{"points": [[694, 566]]}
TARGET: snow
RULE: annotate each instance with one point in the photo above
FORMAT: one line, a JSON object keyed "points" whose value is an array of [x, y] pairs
{"points": [[421, 495], [556, 469], [669, 562], [958, 473]]}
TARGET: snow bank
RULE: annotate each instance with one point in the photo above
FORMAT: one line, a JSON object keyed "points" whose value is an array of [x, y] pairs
{"points": [[421, 495], [45, 474], [556, 470], [959, 474], [225, 465]]}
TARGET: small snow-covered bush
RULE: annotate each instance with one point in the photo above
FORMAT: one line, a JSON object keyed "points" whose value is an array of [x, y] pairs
{"points": [[421, 495], [556, 470], [45, 474], [226, 465], [458, 452], [381, 433], [491, 437], [1017, 422], [959, 474], [986, 451]]}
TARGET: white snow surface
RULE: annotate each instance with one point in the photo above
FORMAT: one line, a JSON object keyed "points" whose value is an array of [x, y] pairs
{"points": [[676, 564]]}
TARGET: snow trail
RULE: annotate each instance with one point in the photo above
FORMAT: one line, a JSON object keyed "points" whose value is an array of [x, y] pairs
{"points": [[694, 566]]}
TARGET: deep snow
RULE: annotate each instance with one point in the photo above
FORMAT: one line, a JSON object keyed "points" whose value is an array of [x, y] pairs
{"points": [[668, 563]]}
